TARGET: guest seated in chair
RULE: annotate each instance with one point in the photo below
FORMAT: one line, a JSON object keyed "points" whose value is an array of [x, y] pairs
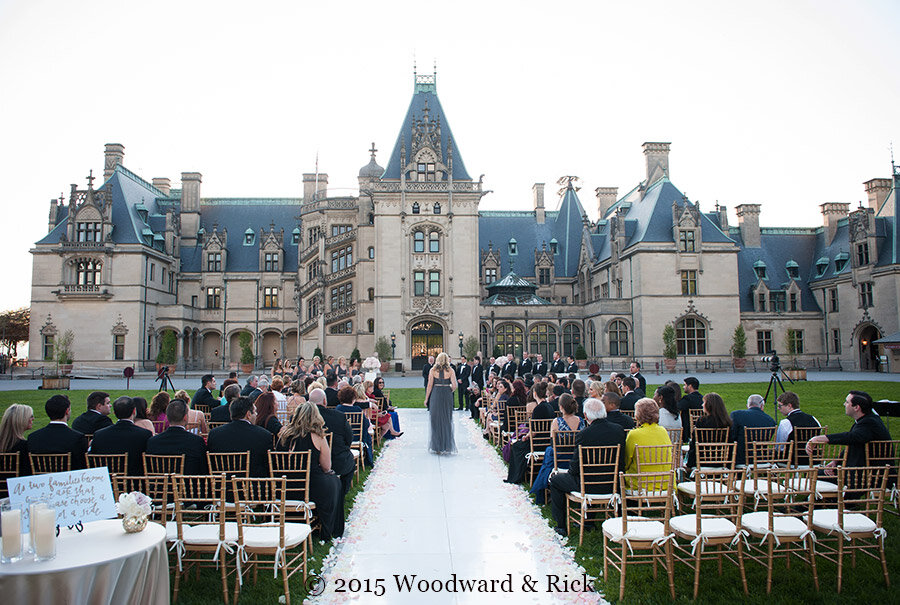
{"points": [[223, 412], [17, 419], [123, 437], [346, 398], [241, 435], [176, 440], [97, 415], [57, 437], [265, 413], [715, 416], [157, 413], [648, 432], [306, 432]]}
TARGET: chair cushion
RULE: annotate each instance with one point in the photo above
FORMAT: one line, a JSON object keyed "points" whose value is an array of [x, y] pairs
{"points": [[208, 533], [172, 530], [711, 527], [591, 497], [295, 505], [707, 487], [639, 529], [822, 487], [751, 486], [758, 524], [827, 520], [267, 537], [355, 452]]}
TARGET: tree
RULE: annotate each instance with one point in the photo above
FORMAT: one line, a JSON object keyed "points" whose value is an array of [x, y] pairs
{"points": [[63, 348], [383, 349], [580, 353], [670, 351], [355, 355], [318, 353], [247, 357], [14, 328], [739, 342], [167, 348], [470, 347]]}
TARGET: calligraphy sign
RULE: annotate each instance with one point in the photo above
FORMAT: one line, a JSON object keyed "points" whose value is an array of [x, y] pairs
{"points": [[84, 495]]}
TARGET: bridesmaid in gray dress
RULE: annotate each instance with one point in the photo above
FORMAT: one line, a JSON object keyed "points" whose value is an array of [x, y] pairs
{"points": [[439, 397]]}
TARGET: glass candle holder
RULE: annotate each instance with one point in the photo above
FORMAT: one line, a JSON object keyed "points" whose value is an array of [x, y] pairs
{"points": [[44, 534], [10, 534], [32, 523]]}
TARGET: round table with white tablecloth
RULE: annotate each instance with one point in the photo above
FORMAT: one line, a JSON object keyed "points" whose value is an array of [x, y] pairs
{"points": [[102, 565]]}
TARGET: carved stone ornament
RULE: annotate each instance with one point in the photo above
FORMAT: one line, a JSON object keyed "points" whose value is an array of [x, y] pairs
{"points": [[864, 321], [691, 311], [119, 328], [859, 225], [48, 329]]}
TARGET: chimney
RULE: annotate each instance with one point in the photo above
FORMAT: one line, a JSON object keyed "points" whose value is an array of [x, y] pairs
{"points": [[190, 204], [314, 186], [722, 212], [657, 156], [537, 191], [163, 184], [748, 223], [877, 190], [606, 197], [114, 155], [831, 214], [54, 209]]}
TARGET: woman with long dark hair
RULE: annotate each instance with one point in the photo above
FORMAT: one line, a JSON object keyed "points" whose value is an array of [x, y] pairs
{"points": [[668, 407], [715, 416], [265, 413]]}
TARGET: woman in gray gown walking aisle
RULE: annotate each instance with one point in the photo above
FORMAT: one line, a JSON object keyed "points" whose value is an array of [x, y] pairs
{"points": [[439, 397]]}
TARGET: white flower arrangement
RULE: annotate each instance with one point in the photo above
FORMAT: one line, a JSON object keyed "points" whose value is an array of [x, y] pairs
{"points": [[371, 363], [134, 504]]}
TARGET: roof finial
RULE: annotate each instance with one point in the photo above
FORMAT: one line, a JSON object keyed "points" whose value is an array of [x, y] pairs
{"points": [[511, 264], [372, 150], [90, 179]]}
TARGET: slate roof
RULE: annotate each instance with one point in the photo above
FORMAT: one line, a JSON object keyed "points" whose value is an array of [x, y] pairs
{"points": [[425, 94], [497, 227], [513, 290], [778, 247]]}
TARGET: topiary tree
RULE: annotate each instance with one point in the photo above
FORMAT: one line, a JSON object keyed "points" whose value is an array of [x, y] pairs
{"points": [[167, 348], [580, 353], [247, 356], [383, 349], [318, 353], [470, 347], [355, 355], [670, 350], [739, 342]]}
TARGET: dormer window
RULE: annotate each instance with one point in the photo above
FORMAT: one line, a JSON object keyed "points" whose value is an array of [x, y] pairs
{"points": [[759, 268], [295, 236], [687, 241], [270, 261], [840, 261], [821, 266], [425, 171], [513, 246], [213, 261], [554, 246], [862, 254], [88, 231], [437, 208], [415, 208], [793, 269], [249, 237]]}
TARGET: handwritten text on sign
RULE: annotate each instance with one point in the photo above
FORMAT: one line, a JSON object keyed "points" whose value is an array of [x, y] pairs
{"points": [[84, 495]]}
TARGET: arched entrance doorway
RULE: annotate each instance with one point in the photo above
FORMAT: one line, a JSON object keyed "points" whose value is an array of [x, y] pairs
{"points": [[868, 351], [426, 338]]}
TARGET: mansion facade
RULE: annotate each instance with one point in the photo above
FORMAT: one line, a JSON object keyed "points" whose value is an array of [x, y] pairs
{"points": [[413, 259]]}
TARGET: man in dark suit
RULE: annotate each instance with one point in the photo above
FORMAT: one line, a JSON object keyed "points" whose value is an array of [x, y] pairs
{"points": [[641, 381], [867, 426], [251, 385], [571, 366], [526, 367], [241, 435], [692, 400], [540, 366], [509, 368], [331, 390], [478, 373], [342, 461], [97, 415], [599, 431], [123, 437], [463, 373], [496, 366], [57, 437], [176, 440], [222, 413], [203, 399], [558, 366], [613, 414], [752, 417], [427, 368], [629, 397]]}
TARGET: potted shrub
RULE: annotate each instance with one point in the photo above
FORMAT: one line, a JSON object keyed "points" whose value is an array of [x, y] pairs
{"points": [[793, 369], [670, 351], [470, 347], [581, 356], [58, 378], [739, 348], [383, 352], [247, 356], [167, 350], [355, 355]]}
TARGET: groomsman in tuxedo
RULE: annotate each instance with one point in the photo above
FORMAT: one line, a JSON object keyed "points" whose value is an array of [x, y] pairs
{"points": [[571, 367], [558, 366], [636, 374], [478, 373], [526, 366], [427, 368], [463, 373], [540, 366], [509, 369], [497, 365]]}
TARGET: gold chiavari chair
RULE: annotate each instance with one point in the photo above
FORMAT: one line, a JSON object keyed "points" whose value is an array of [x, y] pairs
{"points": [[539, 441], [887, 453], [42, 464], [9, 468], [800, 435], [599, 490], [116, 463], [158, 464]]}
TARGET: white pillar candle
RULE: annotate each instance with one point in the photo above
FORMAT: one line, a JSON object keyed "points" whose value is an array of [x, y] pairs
{"points": [[32, 518], [11, 527], [45, 533]]}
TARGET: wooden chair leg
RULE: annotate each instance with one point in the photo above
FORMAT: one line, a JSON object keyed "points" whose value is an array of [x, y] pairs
{"points": [[697, 556], [840, 562], [623, 564], [740, 549], [770, 559], [670, 568]]}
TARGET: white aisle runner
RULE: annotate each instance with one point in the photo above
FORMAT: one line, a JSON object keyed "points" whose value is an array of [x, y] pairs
{"points": [[446, 529]]}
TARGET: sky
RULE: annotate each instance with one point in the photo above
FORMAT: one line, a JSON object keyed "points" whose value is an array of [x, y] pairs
{"points": [[786, 104]]}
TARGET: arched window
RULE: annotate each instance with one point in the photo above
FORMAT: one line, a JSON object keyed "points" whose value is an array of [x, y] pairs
{"points": [[434, 242], [618, 338], [592, 339], [418, 241], [690, 336], [510, 337], [542, 339], [571, 339], [483, 339]]}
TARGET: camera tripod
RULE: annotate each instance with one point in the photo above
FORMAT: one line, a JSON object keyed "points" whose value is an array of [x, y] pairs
{"points": [[165, 381], [774, 384]]}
